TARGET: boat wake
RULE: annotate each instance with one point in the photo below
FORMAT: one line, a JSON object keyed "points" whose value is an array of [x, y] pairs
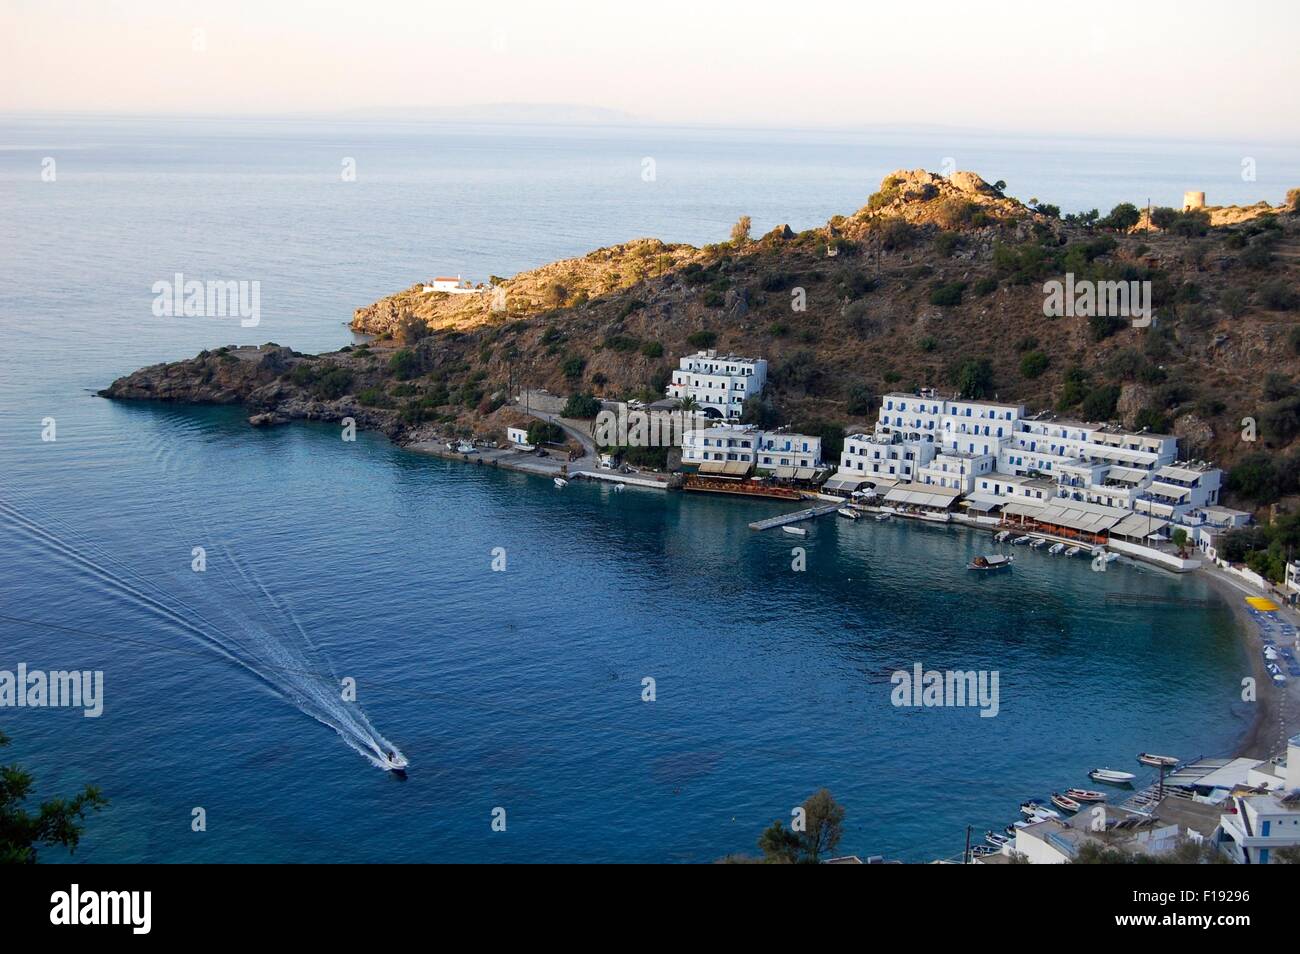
{"points": [[225, 610]]}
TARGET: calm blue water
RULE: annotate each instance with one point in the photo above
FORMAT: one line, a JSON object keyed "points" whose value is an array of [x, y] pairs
{"points": [[517, 689]]}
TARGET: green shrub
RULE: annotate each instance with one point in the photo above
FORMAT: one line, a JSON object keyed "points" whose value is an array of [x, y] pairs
{"points": [[581, 405], [652, 349], [1033, 364], [573, 366], [947, 295], [702, 339]]}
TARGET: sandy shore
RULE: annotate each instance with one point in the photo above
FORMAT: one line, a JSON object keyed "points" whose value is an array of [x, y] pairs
{"points": [[1278, 706]]}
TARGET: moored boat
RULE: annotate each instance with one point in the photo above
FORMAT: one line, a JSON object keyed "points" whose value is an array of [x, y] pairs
{"points": [[996, 840], [1085, 795], [1156, 761], [993, 562], [1002, 536], [1021, 541], [1065, 802], [1056, 548], [1074, 551], [561, 482], [982, 851], [1037, 543], [848, 513], [1035, 809], [883, 516], [797, 531], [1111, 777]]}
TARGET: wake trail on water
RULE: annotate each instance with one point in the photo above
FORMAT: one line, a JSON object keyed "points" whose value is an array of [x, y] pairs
{"points": [[245, 623]]}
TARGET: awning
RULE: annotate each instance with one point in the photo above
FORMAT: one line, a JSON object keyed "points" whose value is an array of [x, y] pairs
{"points": [[924, 495], [983, 504], [1074, 517], [713, 467], [882, 483], [1138, 525], [795, 473], [843, 482], [1022, 508]]}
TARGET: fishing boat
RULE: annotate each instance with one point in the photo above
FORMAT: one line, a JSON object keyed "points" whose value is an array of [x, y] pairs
{"points": [[1074, 551], [619, 488], [848, 513], [1038, 543], [982, 851], [1111, 777], [1002, 536], [882, 517], [994, 562], [797, 531], [1156, 761], [1065, 802], [1056, 549], [561, 482], [1085, 795], [996, 840], [1021, 541]]}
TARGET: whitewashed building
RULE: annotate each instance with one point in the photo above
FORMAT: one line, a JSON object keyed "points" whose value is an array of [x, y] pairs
{"points": [[1264, 821], [451, 286], [736, 449], [720, 384]]}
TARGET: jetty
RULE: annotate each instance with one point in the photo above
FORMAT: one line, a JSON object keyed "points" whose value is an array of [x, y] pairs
{"points": [[781, 520]]}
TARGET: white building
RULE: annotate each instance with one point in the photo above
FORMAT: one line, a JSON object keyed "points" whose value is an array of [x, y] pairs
{"points": [[1293, 576], [718, 383], [779, 449], [452, 286], [519, 437], [741, 447], [1259, 822]]}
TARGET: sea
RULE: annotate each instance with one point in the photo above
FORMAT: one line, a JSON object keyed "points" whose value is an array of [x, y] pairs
{"points": [[574, 675]]}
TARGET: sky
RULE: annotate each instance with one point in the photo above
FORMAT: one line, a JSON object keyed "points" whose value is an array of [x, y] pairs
{"points": [[1200, 70]]}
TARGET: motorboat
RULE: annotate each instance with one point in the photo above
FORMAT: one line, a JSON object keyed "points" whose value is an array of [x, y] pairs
{"points": [[996, 840], [396, 763], [1036, 809], [464, 447], [1111, 777], [1085, 795], [1074, 551], [1156, 761], [882, 517], [1021, 541], [1056, 549], [619, 488], [797, 531], [983, 851], [993, 562], [848, 513], [561, 482], [1065, 802], [1038, 543], [1002, 536]]}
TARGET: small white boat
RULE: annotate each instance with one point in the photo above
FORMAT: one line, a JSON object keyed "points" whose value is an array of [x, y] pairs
{"points": [[996, 840], [848, 513], [797, 531], [993, 562], [1155, 761], [1111, 777], [881, 517], [1002, 536], [561, 482], [619, 488], [464, 447], [1038, 543], [1112, 557], [1035, 809], [396, 762], [1074, 551], [1065, 802], [982, 851], [1085, 795], [1056, 549], [1021, 541]]}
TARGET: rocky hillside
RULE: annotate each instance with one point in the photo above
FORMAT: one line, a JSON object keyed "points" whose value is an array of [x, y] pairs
{"points": [[933, 282]]}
